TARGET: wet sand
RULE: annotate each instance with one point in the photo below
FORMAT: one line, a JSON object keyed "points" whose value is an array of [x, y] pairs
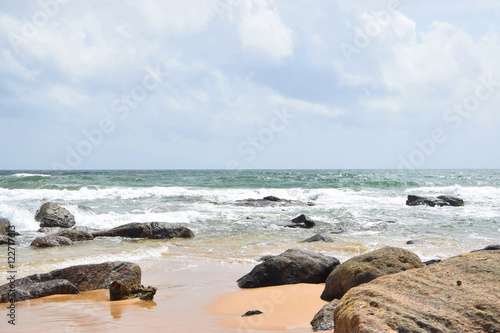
{"points": [[202, 298]]}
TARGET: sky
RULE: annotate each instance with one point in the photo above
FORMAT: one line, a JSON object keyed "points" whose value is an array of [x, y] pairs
{"points": [[249, 84]]}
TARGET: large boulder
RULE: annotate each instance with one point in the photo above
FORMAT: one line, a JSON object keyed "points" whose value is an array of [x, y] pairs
{"points": [[83, 277], [460, 294], [290, 267], [38, 289], [366, 267], [51, 214], [150, 230], [51, 241], [442, 200]]}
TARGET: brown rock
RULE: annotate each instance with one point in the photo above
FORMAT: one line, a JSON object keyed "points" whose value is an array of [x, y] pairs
{"points": [[149, 230], [75, 235], [86, 277], [366, 267], [429, 299], [4, 226], [51, 241], [119, 291]]}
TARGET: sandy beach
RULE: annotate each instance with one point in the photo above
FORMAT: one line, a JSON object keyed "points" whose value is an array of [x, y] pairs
{"points": [[204, 298]]}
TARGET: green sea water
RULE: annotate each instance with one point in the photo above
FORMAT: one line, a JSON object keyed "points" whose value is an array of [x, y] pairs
{"points": [[369, 205]]}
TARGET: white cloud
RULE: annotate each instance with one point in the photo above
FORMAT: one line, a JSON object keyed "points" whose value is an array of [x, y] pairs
{"points": [[262, 31], [174, 16]]}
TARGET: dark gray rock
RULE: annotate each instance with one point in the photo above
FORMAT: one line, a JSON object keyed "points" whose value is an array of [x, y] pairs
{"points": [[302, 221], [51, 241], [252, 313], [431, 262], [323, 320], [442, 200], [149, 230], [489, 248], [366, 267], [84, 277], [38, 289], [318, 238], [414, 200], [270, 202], [452, 200], [290, 267], [415, 241], [51, 214], [272, 198]]}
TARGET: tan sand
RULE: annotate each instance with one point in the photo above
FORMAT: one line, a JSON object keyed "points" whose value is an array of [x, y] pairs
{"points": [[204, 298], [285, 308]]}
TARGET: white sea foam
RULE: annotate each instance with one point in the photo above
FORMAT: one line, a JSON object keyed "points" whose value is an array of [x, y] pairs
{"points": [[22, 175]]}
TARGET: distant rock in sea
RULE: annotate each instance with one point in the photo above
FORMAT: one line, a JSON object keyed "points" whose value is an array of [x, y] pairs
{"points": [[442, 200]]}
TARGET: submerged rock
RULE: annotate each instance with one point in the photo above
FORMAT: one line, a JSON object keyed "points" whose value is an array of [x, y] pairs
{"points": [[459, 294], [302, 221], [318, 238], [270, 201], [366, 267], [149, 230], [290, 267], [443, 200], [119, 291], [323, 320], [51, 241], [51, 214]]}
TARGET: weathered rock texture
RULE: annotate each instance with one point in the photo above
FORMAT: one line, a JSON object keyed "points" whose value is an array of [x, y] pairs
{"points": [[51, 241], [318, 238], [4, 226], [75, 235], [83, 277], [51, 214], [460, 294], [323, 320], [442, 200], [290, 267], [366, 267], [38, 289], [119, 291], [150, 230]]}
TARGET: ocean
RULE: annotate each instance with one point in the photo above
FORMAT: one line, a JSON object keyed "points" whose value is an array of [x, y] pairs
{"points": [[369, 205]]}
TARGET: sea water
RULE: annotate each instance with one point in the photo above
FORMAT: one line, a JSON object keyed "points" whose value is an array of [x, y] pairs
{"points": [[369, 205]]}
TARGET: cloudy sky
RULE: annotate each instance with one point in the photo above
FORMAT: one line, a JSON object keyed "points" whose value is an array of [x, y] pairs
{"points": [[216, 84]]}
